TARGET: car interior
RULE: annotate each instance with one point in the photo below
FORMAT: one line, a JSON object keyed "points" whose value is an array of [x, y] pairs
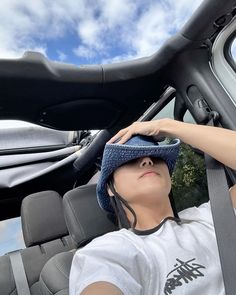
{"points": [[49, 177]]}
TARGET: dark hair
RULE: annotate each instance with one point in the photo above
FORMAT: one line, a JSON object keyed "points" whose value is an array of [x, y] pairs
{"points": [[117, 201]]}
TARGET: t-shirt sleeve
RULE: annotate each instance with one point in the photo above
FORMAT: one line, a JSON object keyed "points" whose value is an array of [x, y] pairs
{"points": [[109, 259], [201, 213]]}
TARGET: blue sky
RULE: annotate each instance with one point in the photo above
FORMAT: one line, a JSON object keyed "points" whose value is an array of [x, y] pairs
{"points": [[10, 236], [90, 31], [85, 32]]}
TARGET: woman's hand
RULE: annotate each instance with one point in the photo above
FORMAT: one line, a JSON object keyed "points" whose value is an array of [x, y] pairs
{"points": [[218, 142], [148, 128]]}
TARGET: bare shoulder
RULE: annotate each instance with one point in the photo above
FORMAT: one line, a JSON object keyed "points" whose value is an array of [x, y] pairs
{"points": [[101, 288]]}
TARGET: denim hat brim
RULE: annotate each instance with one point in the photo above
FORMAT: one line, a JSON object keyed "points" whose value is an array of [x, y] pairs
{"points": [[115, 155]]}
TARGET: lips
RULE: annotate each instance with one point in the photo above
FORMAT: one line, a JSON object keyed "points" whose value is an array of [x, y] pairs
{"points": [[148, 172]]}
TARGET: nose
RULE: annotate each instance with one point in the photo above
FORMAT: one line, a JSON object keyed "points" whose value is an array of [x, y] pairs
{"points": [[146, 161]]}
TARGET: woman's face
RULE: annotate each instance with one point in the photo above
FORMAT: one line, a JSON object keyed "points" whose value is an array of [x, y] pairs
{"points": [[142, 181]]}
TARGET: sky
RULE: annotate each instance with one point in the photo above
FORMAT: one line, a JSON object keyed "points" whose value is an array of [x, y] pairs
{"points": [[11, 237], [90, 31], [85, 32]]}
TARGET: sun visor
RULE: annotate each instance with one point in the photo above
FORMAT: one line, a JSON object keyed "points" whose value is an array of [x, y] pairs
{"points": [[83, 113]]}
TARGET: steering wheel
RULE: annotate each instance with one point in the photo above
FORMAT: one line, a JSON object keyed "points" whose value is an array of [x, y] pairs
{"points": [[92, 148]]}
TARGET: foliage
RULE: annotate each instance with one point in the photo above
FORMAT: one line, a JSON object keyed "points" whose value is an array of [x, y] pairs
{"points": [[189, 184]]}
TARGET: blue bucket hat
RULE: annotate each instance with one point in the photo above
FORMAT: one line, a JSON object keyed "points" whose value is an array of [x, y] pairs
{"points": [[115, 155]]}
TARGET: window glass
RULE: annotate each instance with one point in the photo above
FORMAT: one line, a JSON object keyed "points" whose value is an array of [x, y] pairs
{"points": [[11, 237], [189, 184], [167, 111], [188, 118]]}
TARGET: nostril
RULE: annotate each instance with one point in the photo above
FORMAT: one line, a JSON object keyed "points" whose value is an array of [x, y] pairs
{"points": [[150, 162], [146, 161]]}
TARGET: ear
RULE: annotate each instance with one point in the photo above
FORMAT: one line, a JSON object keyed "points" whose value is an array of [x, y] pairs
{"points": [[109, 191]]}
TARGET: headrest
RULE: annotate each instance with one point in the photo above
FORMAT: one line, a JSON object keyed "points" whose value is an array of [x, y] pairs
{"points": [[42, 218], [84, 218]]}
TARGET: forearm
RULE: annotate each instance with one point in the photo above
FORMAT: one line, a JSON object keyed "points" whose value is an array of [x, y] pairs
{"points": [[218, 142], [102, 288]]}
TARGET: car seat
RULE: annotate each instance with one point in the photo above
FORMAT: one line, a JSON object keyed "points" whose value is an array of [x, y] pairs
{"points": [[45, 234], [85, 221]]}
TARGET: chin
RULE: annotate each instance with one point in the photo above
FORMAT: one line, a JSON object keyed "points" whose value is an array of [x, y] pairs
{"points": [[154, 191]]}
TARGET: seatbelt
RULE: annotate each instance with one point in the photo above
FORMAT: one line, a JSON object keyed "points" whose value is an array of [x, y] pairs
{"points": [[224, 219], [18, 269]]}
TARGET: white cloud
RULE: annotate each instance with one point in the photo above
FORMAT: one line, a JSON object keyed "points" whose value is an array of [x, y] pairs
{"points": [[104, 25], [141, 27], [158, 21], [136, 27], [90, 32], [28, 25], [84, 51], [118, 12], [152, 29]]}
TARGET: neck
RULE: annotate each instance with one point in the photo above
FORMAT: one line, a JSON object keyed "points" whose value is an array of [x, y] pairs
{"points": [[150, 216]]}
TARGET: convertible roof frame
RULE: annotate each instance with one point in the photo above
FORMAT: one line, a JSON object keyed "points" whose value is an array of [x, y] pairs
{"points": [[67, 97]]}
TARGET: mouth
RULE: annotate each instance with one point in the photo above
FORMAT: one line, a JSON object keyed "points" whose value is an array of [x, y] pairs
{"points": [[149, 173]]}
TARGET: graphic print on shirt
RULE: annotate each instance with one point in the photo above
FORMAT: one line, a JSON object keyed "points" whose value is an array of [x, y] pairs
{"points": [[183, 272]]}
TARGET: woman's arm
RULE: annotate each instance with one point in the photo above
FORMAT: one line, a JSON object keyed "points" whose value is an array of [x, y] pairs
{"points": [[101, 288], [220, 143]]}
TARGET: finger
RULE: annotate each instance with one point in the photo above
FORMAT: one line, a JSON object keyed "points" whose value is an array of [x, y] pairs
{"points": [[125, 137], [118, 135], [115, 137]]}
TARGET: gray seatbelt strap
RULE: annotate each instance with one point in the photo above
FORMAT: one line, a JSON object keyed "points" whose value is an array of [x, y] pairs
{"points": [[224, 220], [18, 269]]}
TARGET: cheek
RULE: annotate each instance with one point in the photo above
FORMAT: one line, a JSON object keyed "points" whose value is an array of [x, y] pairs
{"points": [[128, 185], [125, 182], [167, 177]]}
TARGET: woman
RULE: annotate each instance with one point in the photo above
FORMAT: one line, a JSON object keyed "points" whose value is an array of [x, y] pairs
{"points": [[155, 252]]}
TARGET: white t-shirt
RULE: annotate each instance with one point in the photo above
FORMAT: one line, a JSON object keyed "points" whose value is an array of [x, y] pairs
{"points": [[179, 258]]}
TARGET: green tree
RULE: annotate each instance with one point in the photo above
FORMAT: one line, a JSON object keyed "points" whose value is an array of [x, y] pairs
{"points": [[189, 184]]}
